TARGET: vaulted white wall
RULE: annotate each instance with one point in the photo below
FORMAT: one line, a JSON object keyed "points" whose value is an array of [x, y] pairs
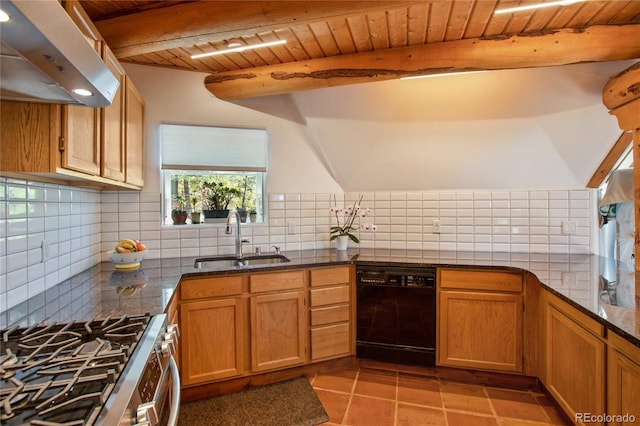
{"points": [[513, 129], [179, 97], [530, 128]]}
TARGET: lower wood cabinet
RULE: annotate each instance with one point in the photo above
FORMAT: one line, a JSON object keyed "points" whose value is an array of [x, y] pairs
{"points": [[330, 313], [480, 319], [277, 330], [211, 340], [575, 368], [235, 325], [623, 380]]}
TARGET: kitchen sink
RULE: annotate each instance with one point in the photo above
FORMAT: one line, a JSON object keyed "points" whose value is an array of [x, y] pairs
{"points": [[216, 262], [267, 259], [219, 262]]}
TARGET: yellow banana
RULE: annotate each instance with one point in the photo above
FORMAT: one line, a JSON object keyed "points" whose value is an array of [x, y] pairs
{"points": [[127, 245]]}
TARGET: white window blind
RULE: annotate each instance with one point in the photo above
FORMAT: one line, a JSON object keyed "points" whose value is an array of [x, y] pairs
{"points": [[213, 148]]}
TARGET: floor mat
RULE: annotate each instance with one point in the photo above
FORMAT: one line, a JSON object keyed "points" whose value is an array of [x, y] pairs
{"points": [[292, 402]]}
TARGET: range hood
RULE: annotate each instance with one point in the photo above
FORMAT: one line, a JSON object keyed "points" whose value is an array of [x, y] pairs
{"points": [[44, 57]]}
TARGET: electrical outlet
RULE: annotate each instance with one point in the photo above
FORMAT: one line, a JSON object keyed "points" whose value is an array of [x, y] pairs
{"points": [[569, 227], [44, 251], [569, 279], [436, 226], [291, 228]]}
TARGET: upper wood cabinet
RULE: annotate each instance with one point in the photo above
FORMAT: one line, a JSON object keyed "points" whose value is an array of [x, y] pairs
{"points": [[480, 319], [113, 126], [134, 134], [78, 145], [80, 139]]}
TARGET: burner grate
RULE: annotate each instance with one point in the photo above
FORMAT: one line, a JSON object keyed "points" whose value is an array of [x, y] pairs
{"points": [[61, 374]]}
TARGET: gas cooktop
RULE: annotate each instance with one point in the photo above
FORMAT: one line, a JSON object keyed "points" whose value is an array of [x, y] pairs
{"points": [[62, 374]]}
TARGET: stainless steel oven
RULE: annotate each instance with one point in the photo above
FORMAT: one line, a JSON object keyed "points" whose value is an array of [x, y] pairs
{"points": [[150, 384], [112, 371]]}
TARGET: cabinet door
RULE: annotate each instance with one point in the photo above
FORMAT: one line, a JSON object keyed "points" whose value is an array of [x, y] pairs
{"points": [[278, 327], [81, 132], [113, 148], [575, 361], [211, 340], [623, 380], [480, 330], [134, 135], [29, 132]]}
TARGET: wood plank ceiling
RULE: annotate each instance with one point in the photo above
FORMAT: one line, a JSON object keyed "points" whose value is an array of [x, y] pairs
{"points": [[330, 43]]}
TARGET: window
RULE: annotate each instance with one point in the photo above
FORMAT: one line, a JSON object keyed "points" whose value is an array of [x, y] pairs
{"points": [[210, 170]]}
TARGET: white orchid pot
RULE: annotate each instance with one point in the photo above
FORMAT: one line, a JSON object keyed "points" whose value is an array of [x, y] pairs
{"points": [[341, 242]]}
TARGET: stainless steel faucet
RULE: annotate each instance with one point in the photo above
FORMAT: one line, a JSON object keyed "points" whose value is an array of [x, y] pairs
{"points": [[227, 230]]}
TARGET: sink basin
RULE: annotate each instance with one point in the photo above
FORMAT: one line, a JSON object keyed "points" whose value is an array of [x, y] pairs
{"points": [[267, 259], [232, 262], [216, 262]]}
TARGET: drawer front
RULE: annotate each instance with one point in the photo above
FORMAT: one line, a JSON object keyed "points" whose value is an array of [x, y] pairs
{"points": [[328, 276], [202, 288], [329, 295], [480, 280], [329, 314], [330, 341], [260, 283]]}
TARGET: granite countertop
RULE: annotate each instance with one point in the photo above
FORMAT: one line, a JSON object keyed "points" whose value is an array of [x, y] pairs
{"points": [[102, 290]]}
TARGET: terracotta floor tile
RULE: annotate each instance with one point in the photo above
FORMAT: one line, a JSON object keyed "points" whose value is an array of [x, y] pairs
{"points": [[376, 384], [516, 404], [552, 411], [419, 390], [464, 419], [335, 404], [503, 421], [340, 381], [366, 411], [412, 415], [459, 396], [373, 397], [462, 388]]}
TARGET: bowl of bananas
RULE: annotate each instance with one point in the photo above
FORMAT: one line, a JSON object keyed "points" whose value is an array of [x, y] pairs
{"points": [[128, 254]]}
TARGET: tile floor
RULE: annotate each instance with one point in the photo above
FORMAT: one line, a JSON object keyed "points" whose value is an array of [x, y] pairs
{"points": [[368, 397]]}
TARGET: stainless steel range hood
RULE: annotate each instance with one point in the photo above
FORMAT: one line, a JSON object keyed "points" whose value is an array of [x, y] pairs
{"points": [[44, 57]]}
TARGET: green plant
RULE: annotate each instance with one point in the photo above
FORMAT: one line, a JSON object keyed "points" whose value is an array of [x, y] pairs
{"points": [[217, 195], [194, 201], [180, 204]]}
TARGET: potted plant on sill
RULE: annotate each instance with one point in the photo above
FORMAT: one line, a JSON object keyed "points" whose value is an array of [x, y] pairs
{"points": [[179, 212], [217, 196], [195, 215], [253, 215]]}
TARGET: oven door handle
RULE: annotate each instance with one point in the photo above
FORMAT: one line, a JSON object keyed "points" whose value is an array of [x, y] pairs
{"points": [[175, 393]]}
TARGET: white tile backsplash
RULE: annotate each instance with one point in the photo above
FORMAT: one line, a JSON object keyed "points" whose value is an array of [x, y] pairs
{"points": [[80, 225]]}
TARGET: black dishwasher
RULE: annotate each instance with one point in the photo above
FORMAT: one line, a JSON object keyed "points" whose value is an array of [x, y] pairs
{"points": [[396, 314]]}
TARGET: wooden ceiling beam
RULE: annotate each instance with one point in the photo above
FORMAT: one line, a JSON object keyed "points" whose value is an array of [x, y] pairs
{"points": [[186, 24], [559, 47]]}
